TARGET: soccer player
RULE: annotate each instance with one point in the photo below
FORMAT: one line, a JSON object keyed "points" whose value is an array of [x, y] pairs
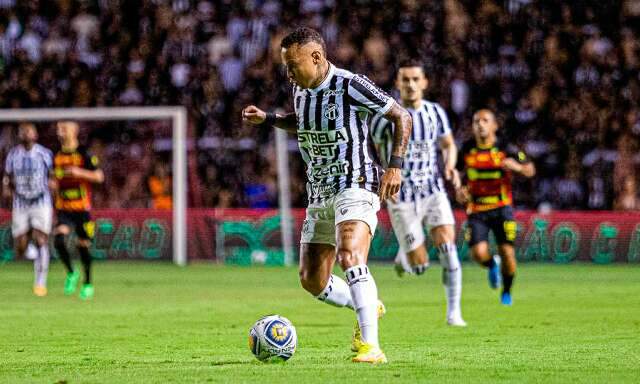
{"points": [[489, 166], [75, 171], [331, 110], [423, 197], [27, 170]]}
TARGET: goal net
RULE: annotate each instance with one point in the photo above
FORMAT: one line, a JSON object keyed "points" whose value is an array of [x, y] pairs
{"points": [[139, 149]]}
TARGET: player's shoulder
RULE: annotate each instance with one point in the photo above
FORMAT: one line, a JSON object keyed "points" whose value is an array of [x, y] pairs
{"points": [[43, 150], [344, 73]]}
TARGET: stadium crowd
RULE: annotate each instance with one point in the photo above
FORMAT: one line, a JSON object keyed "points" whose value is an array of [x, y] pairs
{"points": [[563, 77]]}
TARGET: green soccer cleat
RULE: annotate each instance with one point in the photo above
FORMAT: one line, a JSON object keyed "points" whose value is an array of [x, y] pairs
{"points": [[71, 282], [86, 292]]}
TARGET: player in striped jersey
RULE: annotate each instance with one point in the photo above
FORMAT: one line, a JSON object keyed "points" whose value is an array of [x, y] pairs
{"points": [[423, 197], [331, 110], [27, 170]]}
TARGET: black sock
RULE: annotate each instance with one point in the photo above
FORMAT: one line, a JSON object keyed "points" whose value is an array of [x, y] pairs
{"points": [[489, 263], [85, 257], [507, 282], [63, 252]]}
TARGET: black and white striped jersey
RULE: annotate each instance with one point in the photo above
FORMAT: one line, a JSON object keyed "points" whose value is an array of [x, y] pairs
{"points": [[333, 133], [29, 173], [420, 174]]}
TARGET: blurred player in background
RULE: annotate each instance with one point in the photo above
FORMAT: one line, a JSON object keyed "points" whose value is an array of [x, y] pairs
{"points": [[27, 170], [332, 107], [489, 166], [423, 197], [75, 171]]}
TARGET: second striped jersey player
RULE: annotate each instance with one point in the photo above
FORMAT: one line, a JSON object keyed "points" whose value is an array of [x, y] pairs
{"points": [[423, 198]]}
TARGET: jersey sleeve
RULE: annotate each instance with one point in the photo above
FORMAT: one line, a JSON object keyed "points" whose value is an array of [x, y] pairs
{"points": [[442, 121], [48, 159], [91, 161], [368, 96], [517, 154]]}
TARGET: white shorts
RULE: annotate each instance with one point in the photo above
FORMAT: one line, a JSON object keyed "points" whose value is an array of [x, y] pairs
{"points": [[409, 219], [351, 204], [24, 219]]}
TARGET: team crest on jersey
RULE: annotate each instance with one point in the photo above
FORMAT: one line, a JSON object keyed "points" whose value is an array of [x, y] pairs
{"points": [[331, 111]]}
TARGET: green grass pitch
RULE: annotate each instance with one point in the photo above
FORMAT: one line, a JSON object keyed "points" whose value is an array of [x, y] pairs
{"points": [[157, 323]]}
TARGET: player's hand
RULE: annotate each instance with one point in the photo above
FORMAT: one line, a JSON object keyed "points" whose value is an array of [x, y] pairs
{"points": [[73, 171], [462, 195], [510, 164], [6, 194], [253, 115], [390, 184], [453, 176]]}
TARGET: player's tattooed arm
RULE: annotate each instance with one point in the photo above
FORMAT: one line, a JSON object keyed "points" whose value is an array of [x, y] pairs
{"points": [[401, 119], [392, 178], [257, 116]]}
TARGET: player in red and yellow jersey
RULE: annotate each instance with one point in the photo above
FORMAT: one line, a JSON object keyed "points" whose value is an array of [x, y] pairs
{"points": [[489, 166], [75, 171]]}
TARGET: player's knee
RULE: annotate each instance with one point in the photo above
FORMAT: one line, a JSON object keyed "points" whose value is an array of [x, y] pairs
{"points": [[59, 241], [348, 258]]}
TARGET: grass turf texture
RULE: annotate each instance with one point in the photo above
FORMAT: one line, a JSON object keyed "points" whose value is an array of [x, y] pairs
{"points": [[160, 323]]}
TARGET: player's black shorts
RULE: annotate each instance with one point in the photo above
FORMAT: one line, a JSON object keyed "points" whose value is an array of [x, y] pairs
{"points": [[499, 220], [78, 220]]}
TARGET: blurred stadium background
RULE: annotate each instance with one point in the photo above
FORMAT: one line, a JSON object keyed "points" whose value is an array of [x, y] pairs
{"points": [[564, 77]]}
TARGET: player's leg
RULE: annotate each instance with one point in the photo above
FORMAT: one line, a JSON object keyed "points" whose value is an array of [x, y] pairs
{"points": [[477, 236], [439, 217], [85, 231], [316, 265], [41, 227], [412, 253], [60, 234], [317, 257], [505, 231]]}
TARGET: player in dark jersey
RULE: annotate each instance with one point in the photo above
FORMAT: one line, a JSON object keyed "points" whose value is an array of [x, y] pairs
{"points": [[488, 168], [75, 171]]}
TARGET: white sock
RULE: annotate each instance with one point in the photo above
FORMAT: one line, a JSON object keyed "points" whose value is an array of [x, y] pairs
{"points": [[336, 293], [41, 266], [365, 301], [451, 278], [403, 260]]}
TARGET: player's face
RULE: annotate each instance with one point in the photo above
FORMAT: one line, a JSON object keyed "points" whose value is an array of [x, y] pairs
{"points": [[484, 124], [67, 130], [411, 82], [302, 63], [27, 133]]}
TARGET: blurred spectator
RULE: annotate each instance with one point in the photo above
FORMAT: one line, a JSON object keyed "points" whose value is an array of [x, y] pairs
{"points": [[160, 186], [563, 76], [627, 199]]}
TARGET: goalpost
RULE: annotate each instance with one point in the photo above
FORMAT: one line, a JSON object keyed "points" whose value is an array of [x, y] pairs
{"points": [[178, 117]]}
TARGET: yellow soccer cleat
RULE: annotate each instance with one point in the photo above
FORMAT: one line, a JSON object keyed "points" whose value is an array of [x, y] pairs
{"points": [[40, 290], [371, 354], [356, 339]]}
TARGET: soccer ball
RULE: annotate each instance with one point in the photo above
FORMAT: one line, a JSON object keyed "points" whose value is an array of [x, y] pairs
{"points": [[273, 338]]}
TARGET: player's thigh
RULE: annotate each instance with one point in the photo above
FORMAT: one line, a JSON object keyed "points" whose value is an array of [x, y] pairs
{"points": [[353, 240], [316, 260], [40, 219], [437, 211], [19, 222], [64, 223], [407, 226], [477, 235], [504, 226], [356, 221], [85, 228]]}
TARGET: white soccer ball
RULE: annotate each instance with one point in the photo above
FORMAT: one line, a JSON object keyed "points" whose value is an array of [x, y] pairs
{"points": [[273, 338]]}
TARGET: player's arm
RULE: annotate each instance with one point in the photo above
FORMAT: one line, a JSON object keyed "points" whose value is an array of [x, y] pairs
{"points": [[450, 154], [257, 116], [519, 164], [392, 178], [7, 189], [90, 172]]}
